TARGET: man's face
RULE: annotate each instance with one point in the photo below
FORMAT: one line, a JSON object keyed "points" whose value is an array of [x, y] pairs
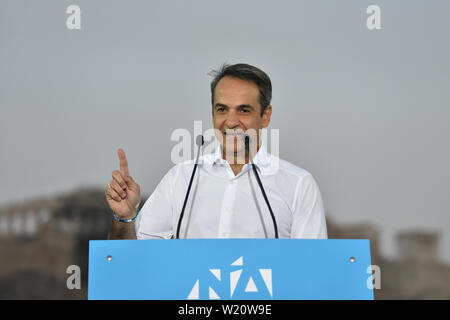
{"points": [[237, 110]]}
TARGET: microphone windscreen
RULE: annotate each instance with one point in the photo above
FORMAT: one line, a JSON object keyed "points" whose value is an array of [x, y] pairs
{"points": [[200, 141]]}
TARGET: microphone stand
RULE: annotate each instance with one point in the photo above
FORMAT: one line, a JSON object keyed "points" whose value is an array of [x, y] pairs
{"points": [[247, 147], [200, 141]]}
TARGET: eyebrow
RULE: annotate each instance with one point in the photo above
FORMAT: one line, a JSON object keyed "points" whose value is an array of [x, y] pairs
{"points": [[242, 106]]}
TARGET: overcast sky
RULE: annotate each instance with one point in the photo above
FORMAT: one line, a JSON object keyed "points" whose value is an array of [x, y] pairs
{"points": [[366, 112]]}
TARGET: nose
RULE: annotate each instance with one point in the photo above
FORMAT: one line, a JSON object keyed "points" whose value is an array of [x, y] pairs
{"points": [[232, 120]]}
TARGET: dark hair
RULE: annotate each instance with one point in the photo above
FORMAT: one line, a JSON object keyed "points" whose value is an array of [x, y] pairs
{"points": [[245, 72]]}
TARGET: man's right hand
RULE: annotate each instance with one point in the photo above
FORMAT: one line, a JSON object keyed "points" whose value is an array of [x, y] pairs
{"points": [[123, 194]]}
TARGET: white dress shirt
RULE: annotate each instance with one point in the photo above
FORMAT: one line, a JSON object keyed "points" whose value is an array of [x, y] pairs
{"points": [[222, 205]]}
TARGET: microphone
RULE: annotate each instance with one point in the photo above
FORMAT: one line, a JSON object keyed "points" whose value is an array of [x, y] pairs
{"points": [[247, 147], [199, 141]]}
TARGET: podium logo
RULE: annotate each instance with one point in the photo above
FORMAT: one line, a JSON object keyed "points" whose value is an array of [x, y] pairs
{"points": [[235, 276]]}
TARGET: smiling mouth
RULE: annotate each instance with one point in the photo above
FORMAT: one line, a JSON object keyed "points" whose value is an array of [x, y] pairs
{"points": [[233, 134]]}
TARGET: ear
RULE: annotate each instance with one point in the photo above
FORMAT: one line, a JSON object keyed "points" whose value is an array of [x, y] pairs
{"points": [[266, 116]]}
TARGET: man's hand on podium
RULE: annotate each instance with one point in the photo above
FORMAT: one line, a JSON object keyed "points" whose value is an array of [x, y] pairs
{"points": [[123, 194]]}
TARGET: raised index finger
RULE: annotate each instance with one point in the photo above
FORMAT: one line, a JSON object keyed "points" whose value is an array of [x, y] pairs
{"points": [[123, 163]]}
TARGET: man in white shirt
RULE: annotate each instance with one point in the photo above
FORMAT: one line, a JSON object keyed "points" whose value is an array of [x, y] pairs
{"points": [[225, 200]]}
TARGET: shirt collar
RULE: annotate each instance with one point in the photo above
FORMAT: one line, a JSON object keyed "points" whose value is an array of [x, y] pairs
{"points": [[262, 159]]}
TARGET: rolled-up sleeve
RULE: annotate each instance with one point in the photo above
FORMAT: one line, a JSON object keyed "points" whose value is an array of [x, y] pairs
{"points": [[155, 218], [308, 211]]}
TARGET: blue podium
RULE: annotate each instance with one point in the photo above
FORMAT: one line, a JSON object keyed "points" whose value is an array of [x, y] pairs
{"points": [[229, 269]]}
